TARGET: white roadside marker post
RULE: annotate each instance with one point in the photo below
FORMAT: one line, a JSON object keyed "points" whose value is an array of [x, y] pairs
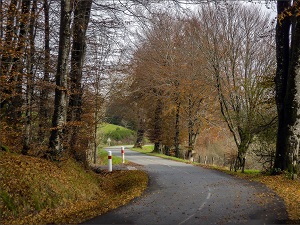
{"points": [[123, 154], [109, 161]]}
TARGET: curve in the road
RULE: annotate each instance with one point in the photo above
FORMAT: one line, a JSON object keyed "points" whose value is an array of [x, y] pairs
{"points": [[180, 193]]}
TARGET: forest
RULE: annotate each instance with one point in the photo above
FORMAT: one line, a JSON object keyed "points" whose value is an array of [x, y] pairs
{"points": [[182, 78], [207, 81]]}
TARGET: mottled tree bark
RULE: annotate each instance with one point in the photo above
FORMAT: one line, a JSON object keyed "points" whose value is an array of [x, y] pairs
{"points": [[193, 130], [44, 113], [157, 126], [57, 137], [29, 80], [177, 128], [292, 98], [81, 20], [282, 57], [140, 134]]}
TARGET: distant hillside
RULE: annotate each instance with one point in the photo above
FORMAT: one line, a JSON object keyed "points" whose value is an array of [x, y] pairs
{"points": [[117, 134]]}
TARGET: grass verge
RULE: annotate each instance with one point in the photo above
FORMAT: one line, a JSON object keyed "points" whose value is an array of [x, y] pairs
{"points": [[36, 191], [103, 159]]}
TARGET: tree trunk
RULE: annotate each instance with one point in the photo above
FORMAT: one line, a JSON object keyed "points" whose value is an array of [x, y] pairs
{"points": [[14, 63], [240, 160], [7, 56], [81, 20], [140, 134], [157, 126], [282, 56], [156, 146], [56, 140], [177, 131], [29, 79], [292, 99], [191, 129], [44, 94]]}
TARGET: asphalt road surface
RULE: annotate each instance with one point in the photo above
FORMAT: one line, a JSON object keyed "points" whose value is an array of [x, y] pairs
{"points": [[180, 193]]}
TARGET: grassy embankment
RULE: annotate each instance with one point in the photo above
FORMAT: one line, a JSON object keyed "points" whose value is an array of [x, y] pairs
{"points": [[37, 191], [117, 134], [282, 185]]}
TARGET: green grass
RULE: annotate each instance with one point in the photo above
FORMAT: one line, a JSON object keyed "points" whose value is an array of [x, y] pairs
{"points": [[145, 149], [252, 172], [103, 158], [116, 134]]}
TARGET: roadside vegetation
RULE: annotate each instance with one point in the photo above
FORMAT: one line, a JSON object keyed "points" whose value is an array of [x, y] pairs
{"points": [[282, 184], [118, 135], [103, 159], [193, 83], [38, 191]]}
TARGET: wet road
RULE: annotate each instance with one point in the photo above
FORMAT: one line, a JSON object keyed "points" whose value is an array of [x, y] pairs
{"points": [[180, 193]]}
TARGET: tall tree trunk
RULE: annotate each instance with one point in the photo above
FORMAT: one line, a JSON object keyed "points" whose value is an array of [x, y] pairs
{"points": [[192, 131], [13, 60], [44, 94], [140, 134], [7, 55], [177, 127], [282, 55], [56, 140], [292, 99], [157, 126], [29, 79], [81, 20]]}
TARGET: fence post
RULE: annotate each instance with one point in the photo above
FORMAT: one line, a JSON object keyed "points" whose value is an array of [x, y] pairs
{"points": [[123, 154], [109, 161]]}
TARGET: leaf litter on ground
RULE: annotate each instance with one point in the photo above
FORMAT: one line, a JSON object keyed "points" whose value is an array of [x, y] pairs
{"points": [[37, 191], [282, 185]]}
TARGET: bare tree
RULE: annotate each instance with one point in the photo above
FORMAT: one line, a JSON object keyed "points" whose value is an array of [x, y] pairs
{"points": [[240, 56]]}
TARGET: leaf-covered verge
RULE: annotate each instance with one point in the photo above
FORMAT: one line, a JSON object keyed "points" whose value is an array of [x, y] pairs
{"points": [[282, 185], [37, 191]]}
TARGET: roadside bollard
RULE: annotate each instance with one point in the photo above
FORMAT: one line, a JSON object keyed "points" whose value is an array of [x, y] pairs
{"points": [[123, 154], [109, 161]]}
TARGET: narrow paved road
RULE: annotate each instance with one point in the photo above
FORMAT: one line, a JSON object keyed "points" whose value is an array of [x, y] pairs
{"points": [[180, 193]]}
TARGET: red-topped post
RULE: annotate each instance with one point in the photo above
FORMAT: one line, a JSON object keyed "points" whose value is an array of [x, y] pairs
{"points": [[109, 161], [123, 154]]}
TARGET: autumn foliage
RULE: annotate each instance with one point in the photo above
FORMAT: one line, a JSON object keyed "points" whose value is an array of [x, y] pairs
{"points": [[37, 191]]}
